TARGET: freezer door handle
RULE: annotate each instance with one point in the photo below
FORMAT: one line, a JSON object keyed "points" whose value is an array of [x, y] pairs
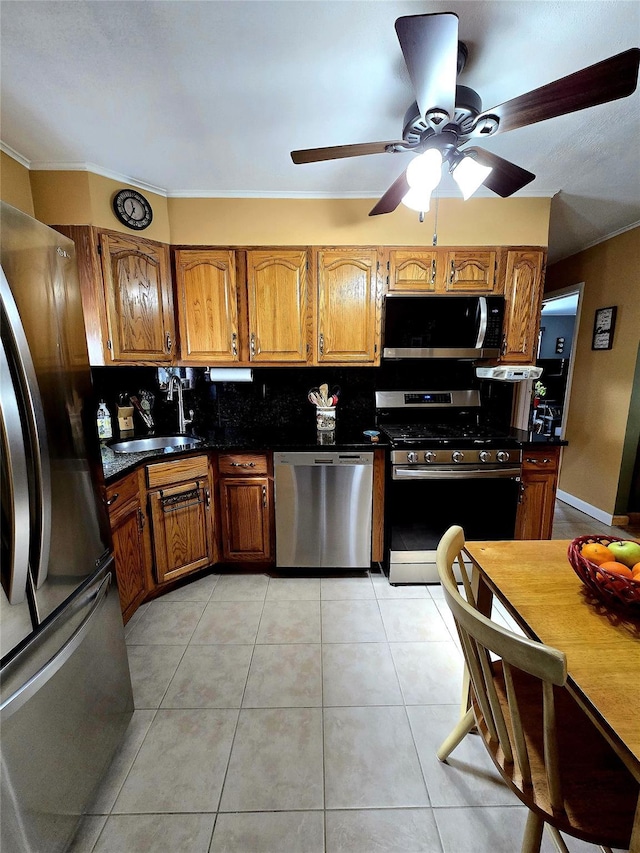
{"points": [[14, 452], [30, 687], [25, 374]]}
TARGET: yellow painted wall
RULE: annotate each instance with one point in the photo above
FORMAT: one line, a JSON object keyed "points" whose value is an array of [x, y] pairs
{"points": [[15, 187], [602, 379], [326, 222], [84, 198]]}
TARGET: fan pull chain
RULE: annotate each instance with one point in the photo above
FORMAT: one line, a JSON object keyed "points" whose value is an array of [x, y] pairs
{"points": [[435, 223]]}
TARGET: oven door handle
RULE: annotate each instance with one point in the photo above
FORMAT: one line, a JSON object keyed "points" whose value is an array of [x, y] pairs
{"points": [[399, 473]]}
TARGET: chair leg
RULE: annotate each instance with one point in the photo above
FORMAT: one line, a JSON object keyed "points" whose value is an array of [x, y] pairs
{"points": [[558, 840], [461, 730], [532, 834]]}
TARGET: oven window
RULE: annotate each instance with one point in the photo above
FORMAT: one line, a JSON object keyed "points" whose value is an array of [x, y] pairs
{"points": [[420, 511]]}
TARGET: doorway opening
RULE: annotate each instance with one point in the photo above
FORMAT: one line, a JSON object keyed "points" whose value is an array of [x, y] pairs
{"points": [[559, 322]]}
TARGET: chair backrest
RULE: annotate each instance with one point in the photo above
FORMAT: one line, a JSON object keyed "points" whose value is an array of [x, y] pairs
{"points": [[479, 637]]}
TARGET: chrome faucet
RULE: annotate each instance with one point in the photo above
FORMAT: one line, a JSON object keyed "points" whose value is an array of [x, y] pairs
{"points": [[175, 384]]}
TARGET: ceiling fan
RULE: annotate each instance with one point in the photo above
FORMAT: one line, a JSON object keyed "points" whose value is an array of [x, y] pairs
{"points": [[446, 116]]}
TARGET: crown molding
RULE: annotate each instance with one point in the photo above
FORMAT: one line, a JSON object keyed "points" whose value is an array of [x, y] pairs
{"points": [[10, 152]]}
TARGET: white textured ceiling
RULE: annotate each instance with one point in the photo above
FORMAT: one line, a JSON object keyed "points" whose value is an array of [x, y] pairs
{"points": [[208, 98]]}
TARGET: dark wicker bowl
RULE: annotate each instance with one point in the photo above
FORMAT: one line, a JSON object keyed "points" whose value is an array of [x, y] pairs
{"points": [[608, 587]]}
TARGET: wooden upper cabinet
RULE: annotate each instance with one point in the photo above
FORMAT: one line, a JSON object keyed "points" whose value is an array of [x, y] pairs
{"points": [[523, 296], [470, 271], [348, 306], [207, 305], [278, 306], [412, 271], [138, 297]]}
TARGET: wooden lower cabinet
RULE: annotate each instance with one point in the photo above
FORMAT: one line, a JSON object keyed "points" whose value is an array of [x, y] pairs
{"points": [[539, 484], [182, 516], [130, 539], [246, 507]]}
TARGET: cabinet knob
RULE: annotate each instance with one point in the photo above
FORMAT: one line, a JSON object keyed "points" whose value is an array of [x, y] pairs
{"points": [[243, 464], [433, 270], [169, 342], [207, 498], [234, 344], [253, 344], [452, 272], [112, 499], [141, 520], [321, 344], [264, 496]]}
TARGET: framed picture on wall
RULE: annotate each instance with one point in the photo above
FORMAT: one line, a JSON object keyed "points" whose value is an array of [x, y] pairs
{"points": [[603, 327]]}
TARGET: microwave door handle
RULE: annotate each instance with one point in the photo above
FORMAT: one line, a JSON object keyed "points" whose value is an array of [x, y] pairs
{"points": [[482, 324], [38, 452], [14, 454]]}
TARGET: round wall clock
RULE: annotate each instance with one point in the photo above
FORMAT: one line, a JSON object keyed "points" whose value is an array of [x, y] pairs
{"points": [[132, 209]]}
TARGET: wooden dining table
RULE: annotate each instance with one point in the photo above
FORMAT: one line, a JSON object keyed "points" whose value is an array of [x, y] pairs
{"points": [[537, 585]]}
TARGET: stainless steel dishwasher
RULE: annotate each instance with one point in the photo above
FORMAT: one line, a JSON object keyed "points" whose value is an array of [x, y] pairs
{"points": [[323, 509]]}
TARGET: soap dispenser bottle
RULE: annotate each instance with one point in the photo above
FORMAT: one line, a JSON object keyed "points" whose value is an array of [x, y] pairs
{"points": [[104, 421]]}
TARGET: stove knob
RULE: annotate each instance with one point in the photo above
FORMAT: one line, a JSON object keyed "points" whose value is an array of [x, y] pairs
{"points": [[412, 457], [502, 456], [457, 456], [485, 456], [429, 456]]}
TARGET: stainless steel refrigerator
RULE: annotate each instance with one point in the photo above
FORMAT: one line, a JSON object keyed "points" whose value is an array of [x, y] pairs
{"points": [[65, 689]]}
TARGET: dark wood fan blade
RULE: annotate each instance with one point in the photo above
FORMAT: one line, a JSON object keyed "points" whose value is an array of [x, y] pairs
{"points": [[393, 196], [430, 48], [336, 152], [605, 81], [506, 178]]}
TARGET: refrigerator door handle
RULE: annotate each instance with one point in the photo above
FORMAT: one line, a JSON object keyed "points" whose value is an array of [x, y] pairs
{"points": [[45, 673], [16, 341], [14, 452]]}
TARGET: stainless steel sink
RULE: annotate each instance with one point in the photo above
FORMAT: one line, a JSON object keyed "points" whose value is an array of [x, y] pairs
{"points": [[155, 442]]}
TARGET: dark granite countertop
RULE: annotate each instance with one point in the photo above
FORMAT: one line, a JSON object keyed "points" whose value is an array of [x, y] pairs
{"points": [[532, 439], [347, 436]]}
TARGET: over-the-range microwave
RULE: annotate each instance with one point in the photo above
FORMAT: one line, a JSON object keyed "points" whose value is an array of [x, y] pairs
{"points": [[434, 326]]}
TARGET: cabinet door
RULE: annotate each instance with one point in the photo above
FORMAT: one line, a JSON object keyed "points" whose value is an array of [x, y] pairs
{"points": [[182, 529], [412, 271], [278, 306], [130, 545], [523, 296], [138, 299], [470, 271], [348, 307], [245, 508], [539, 481], [207, 297]]}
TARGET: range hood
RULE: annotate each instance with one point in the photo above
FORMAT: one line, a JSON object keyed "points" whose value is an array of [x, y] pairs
{"points": [[510, 372]]}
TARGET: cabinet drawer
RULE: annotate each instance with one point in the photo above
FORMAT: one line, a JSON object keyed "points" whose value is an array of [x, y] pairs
{"points": [[540, 460], [176, 471], [118, 497], [238, 464]]}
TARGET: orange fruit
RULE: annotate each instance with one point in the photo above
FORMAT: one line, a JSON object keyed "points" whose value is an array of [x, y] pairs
{"points": [[635, 571], [617, 569], [597, 553]]}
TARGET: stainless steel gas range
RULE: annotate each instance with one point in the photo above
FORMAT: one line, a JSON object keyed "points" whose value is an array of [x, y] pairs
{"points": [[448, 465]]}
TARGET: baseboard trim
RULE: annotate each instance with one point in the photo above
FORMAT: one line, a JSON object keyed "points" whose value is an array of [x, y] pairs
{"points": [[583, 506]]}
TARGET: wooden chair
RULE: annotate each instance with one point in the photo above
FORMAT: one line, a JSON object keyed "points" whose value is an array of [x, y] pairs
{"points": [[543, 744]]}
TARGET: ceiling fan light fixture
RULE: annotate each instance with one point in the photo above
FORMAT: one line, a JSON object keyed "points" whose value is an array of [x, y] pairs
{"points": [[423, 176], [469, 175], [425, 170], [417, 200]]}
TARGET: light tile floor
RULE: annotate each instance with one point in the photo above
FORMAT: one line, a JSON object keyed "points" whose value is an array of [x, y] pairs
{"points": [[302, 715]]}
